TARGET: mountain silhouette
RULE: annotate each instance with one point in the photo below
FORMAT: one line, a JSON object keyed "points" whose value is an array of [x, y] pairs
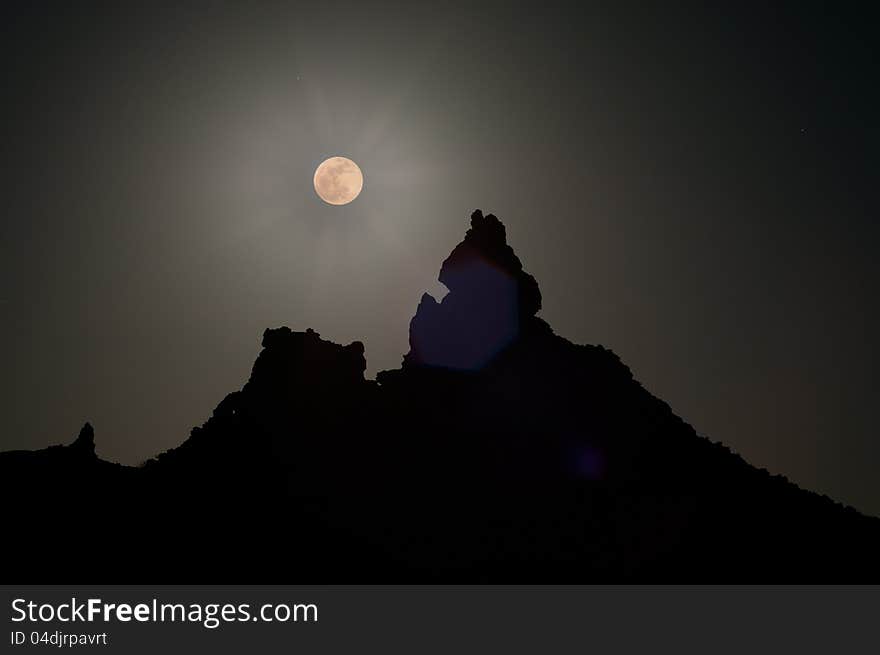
{"points": [[498, 452]]}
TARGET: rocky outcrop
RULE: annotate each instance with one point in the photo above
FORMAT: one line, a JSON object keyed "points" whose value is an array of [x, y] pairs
{"points": [[85, 442], [490, 301]]}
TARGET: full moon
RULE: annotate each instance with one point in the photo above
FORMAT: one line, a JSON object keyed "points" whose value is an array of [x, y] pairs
{"points": [[338, 180]]}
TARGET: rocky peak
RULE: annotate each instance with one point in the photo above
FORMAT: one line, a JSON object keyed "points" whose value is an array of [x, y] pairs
{"points": [[85, 442], [485, 244], [490, 297], [291, 359]]}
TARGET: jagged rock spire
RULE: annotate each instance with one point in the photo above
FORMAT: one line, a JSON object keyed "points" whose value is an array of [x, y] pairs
{"points": [[85, 442], [486, 242], [490, 298]]}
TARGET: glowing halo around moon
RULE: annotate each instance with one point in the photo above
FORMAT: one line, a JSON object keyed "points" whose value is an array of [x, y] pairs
{"points": [[338, 180]]}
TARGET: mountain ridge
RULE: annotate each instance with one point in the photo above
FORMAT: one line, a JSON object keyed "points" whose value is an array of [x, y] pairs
{"points": [[546, 462]]}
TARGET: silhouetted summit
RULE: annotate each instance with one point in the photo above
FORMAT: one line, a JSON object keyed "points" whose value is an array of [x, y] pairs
{"points": [[490, 300], [85, 442], [499, 451]]}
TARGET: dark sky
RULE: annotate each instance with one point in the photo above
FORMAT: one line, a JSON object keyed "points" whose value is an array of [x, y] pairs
{"points": [[693, 188]]}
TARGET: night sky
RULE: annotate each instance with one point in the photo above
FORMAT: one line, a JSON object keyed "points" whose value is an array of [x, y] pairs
{"points": [[695, 188]]}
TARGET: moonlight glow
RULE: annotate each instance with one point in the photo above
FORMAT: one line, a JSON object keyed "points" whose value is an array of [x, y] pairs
{"points": [[338, 180]]}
